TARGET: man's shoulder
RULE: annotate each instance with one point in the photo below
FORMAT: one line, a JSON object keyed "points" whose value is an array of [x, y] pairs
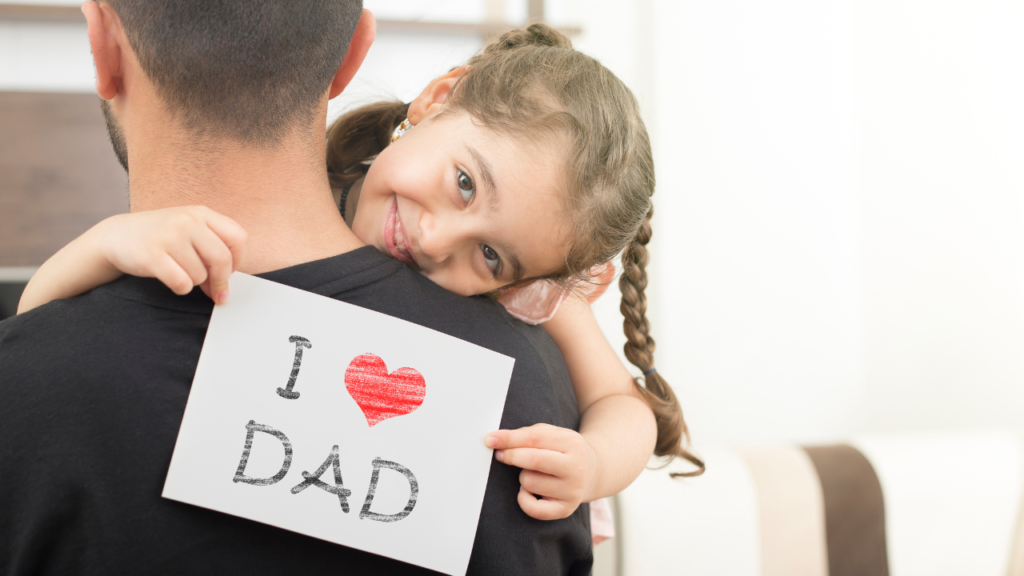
{"points": [[37, 325], [15, 323], [109, 331]]}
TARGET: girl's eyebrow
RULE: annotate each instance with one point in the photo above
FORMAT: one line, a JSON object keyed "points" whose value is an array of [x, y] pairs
{"points": [[486, 175]]}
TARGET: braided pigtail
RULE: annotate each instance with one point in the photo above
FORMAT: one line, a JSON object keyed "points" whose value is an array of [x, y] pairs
{"points": [[639, 349], [360, 135]]}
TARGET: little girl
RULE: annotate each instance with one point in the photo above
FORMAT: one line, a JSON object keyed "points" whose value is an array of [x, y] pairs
{"points": [[431, 196]]}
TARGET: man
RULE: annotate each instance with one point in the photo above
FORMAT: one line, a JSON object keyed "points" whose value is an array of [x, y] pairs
{"points": [[223, 103]]}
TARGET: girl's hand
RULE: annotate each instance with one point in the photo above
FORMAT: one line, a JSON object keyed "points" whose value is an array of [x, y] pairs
{"points": [[182, 247], [559, 466]]}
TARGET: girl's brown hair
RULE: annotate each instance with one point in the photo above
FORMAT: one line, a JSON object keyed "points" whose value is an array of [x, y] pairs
{"points": [[531, 85]]}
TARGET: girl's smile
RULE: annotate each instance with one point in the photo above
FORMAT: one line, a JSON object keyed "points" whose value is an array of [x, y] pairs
{"points": [[395, 239]]}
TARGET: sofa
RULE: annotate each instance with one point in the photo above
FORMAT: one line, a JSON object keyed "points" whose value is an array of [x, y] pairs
{"points": [[940, 504]]}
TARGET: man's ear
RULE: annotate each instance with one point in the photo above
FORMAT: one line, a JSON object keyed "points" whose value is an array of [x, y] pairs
{"points": [[363, 37], [429, 101], [104, 35]]}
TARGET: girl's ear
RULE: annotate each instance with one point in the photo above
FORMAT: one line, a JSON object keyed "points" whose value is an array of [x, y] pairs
{"points": [[430, 101]]}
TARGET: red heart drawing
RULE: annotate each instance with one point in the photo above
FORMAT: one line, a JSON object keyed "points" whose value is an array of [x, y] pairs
{"points": [[381, 395]]}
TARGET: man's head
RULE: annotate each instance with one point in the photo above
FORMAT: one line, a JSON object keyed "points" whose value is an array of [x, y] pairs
{"points": [[243, 70]]}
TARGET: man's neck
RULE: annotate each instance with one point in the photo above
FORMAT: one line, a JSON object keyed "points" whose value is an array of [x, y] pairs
{"points": [[280, 196]]}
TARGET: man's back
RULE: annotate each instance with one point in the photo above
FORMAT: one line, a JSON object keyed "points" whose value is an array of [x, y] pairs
{"points": [[94, 389]]}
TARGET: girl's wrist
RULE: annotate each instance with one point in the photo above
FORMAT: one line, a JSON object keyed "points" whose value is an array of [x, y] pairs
{"points": [[96, 249], [592, 490]]}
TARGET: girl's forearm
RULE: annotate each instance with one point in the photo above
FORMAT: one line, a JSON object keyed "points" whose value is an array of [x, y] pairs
{"points": [[622, 433], [75, 269], [614, 420]]}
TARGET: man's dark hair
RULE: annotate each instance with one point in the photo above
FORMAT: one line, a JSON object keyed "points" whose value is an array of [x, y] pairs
{"points": [[248, 70]]}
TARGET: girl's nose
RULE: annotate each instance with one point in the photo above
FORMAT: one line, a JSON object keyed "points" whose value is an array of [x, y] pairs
{"points": [[437, 236], [445, 234]]}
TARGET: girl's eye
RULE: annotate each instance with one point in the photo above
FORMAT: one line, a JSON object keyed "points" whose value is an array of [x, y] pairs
{"points": [[466, 187], [492, 259]]}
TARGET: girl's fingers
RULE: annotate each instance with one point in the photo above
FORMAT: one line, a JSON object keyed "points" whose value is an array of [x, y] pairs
{"points": [[219, 263], [546, 461], [542, 509], [537, 436], [189, 260], [167, 270], [234, 237], [545, 485]]}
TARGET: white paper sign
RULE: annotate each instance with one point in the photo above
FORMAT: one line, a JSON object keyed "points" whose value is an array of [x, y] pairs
{"points": [[341, 423]]}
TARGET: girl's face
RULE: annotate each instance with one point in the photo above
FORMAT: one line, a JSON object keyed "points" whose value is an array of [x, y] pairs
{"points": [[471, 210]]}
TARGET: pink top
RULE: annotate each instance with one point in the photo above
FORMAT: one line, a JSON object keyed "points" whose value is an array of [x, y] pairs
{"points": [[536, 303]]}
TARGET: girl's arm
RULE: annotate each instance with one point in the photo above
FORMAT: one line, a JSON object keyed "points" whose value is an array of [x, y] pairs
{"points": [[617, 428], [615, 420], [182, 247]]}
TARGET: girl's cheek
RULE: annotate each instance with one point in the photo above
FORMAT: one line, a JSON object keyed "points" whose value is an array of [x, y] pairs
{"points": [[363, 224]]}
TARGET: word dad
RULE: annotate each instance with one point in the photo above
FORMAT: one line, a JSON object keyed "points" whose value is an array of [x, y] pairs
{"points": [[380, 396], [338, 489]]}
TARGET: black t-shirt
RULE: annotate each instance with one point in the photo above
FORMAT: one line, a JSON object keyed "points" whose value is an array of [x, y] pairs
{"points": [[92, 391]]}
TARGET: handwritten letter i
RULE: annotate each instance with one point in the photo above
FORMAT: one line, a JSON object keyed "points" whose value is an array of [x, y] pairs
{"points": [[300, 343]]}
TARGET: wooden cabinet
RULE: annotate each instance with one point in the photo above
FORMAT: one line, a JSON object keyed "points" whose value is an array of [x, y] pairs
{"points": [[58, 173]]}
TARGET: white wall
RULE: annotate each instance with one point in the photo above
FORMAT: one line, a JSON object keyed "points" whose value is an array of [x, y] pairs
{"points": [[942, 172], [45, 57], [757, 255]]}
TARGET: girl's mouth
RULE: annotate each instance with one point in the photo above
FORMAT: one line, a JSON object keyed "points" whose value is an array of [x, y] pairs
{"points": [[395, 240]]}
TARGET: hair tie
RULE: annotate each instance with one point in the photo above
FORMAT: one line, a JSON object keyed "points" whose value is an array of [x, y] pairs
{"points": [[651, 371]]}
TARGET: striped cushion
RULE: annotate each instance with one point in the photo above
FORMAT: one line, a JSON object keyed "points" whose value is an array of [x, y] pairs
{"points": [[926, 505], [791, 508]]}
